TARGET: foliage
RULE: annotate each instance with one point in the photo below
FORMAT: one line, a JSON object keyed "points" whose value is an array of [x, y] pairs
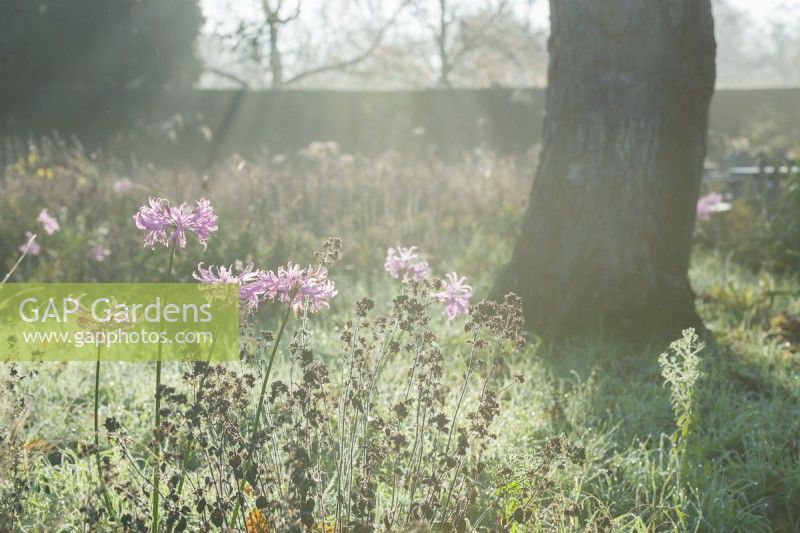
{"points": [[784, 228], [333, 451], [14, 453], [759, 235], [99, 43], [272, 208], [762, 227], [582, 444], [681, 369]]}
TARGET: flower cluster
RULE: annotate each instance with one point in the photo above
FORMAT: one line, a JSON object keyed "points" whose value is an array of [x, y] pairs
{"points": [[166, 224], [455, 296], [709, 204], [48, 222], [291, 284], [297, 286], [404, 262], [247, 278], [30, 246], [50, 225]]}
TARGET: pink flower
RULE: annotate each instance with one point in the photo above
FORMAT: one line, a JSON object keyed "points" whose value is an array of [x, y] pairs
{"points": [[402, 261], [49, 223], [122, 186], [316, 289], [250, 289], [455, 296], [419, 270], [99, 253], [709, 204], [30, 247], [298, 286], [282, 284], [158, 218]]}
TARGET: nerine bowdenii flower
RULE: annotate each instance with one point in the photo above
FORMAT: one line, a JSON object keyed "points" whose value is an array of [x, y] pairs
{"points": [[30, 247], [709, 204], [247, 278], [299, 287], [403, 262], [48, 222], [165, 224], [455, 296]]}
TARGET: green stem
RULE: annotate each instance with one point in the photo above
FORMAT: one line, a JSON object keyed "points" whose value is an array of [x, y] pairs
{"points": [[157, 469], [188, 448], [106, 498], [21, 257], [260, 407], [97, 399]]}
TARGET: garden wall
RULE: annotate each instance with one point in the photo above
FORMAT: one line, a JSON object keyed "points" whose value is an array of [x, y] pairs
{"points": [[208, 123]]}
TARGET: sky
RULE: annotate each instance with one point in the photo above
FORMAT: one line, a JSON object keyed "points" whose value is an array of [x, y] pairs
{"points": [[754, 40], [760, 10]]}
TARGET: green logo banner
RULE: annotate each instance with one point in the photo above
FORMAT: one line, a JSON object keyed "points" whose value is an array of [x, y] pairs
{"points": [[119, 322]]}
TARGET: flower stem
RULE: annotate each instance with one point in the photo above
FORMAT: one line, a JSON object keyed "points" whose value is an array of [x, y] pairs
{"points": [[260, 407], [188, 447], [21, 257], [157, 468], [106, 498]]}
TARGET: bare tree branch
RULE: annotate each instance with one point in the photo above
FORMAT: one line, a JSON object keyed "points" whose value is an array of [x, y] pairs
{"points": [[229, 76], [345, 64]]}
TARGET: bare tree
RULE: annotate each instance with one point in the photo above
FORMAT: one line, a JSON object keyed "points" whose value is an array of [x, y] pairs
{"points": [[784, 57], [460, 30], [261, 42]]}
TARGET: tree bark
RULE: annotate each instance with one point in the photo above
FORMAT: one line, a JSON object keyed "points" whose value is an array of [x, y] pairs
{"points": [[606, 238]]}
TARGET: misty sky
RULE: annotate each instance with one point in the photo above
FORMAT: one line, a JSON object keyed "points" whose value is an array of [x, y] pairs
{"points": [[752, 37], [760, 10]]}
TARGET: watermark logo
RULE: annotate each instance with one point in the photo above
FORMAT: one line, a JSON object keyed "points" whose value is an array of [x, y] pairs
{"points": [[119, 322]]}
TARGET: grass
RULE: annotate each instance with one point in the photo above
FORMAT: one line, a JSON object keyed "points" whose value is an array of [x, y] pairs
{"points": [[741, 474], [586, 442]]}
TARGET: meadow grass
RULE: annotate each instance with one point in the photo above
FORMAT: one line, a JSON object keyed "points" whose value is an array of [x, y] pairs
{"points": [[593, 438], [738, 473]]}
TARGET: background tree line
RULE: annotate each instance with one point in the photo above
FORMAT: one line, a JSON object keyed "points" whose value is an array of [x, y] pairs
{"points": [[347, 44]]}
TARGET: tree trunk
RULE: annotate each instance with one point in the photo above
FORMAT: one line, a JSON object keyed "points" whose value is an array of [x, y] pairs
{"points": [[441, 45], [606, 239], [275, 61]]}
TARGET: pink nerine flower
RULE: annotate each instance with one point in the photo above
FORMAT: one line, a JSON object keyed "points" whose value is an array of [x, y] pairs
{"points": [[99, 253], [30, 247], [298, 286], [282, 284], [159, 218], [316, 289], [710, 203], [419, 270], [49, 223], [455, 296], [403, 261], [250, 289]]}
